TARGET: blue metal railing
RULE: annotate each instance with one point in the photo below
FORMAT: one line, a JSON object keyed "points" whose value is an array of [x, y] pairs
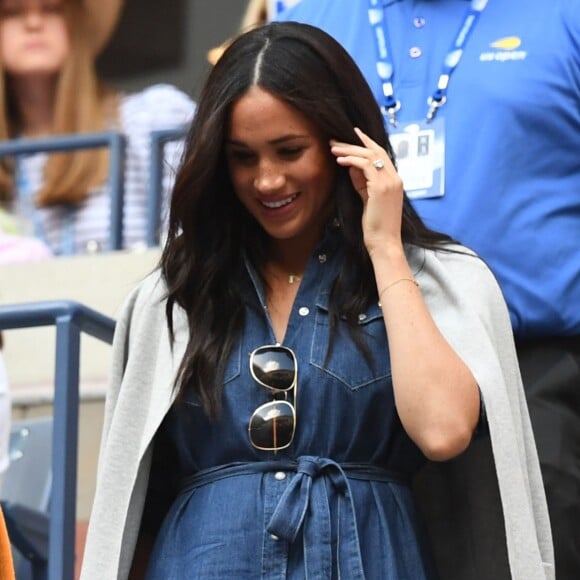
{"points": [[116, 143], [70, 319], [154, 200]]}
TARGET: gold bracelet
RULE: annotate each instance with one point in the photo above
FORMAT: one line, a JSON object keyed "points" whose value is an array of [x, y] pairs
{"points": [[412, 280]]}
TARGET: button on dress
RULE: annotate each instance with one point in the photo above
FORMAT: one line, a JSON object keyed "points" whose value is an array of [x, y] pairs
{"points": [[336, 503]]}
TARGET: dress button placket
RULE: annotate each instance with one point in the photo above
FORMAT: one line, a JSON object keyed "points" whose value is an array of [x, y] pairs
{"points": [[274, 551]]}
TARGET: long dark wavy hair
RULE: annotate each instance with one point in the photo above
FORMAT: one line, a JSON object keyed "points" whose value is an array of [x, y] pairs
{"points": [[210, 232]]}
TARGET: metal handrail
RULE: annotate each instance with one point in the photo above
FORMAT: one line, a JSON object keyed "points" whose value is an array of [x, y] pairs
{"points": [[158, 139], [70, 319], [116, 143]]}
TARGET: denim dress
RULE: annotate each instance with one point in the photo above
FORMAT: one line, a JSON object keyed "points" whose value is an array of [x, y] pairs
{"points": [[335, 504]]}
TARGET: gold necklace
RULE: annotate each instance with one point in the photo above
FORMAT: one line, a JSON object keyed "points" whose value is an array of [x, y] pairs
{"points": [[291, 277]]}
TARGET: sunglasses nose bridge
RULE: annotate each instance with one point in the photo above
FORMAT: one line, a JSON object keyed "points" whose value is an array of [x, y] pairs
{"points": [[277, 387]]}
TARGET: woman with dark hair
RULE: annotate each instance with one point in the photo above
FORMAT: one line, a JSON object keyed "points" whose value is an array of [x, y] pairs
{"points": [[300, 386]]}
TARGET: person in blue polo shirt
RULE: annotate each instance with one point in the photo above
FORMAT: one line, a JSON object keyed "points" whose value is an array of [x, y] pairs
{"points": [[482, 102]]}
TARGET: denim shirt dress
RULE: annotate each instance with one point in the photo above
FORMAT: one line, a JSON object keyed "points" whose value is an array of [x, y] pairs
{"points": [[335, 504]]}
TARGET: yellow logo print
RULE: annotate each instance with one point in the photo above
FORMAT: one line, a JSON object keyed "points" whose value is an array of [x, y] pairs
{"points": [[507, 43]]}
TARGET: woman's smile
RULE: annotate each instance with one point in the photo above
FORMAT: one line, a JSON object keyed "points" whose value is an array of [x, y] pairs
{"points": [[279, 203]]}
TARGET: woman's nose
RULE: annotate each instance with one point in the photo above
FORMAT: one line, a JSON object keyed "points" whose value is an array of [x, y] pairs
{"points": [[269, 179], [33, 17]]}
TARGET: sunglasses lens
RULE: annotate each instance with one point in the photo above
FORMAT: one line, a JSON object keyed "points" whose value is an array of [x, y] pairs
{"points": [[272, 426], [274, 367]]}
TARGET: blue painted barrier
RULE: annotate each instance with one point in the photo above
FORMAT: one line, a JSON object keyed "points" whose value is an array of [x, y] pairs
{"points": [[116, 143], [70, 319], [154, 201]]}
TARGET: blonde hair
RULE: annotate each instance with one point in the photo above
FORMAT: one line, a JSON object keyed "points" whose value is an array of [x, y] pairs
{"points": [[82, 105], [255, 15]]}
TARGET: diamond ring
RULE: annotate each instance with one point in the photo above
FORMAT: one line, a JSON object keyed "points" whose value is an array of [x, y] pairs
{"points": [[379, 163]]}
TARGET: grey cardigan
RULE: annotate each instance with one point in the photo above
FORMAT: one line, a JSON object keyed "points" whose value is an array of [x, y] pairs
{"points": [[486, 510]]}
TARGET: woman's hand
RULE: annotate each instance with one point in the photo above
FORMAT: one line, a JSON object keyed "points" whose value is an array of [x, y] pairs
{"points": [[380, 188], [435, 393]]}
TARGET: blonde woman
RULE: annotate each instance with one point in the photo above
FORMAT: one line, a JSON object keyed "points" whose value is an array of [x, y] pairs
{"points": [[48, 86]]}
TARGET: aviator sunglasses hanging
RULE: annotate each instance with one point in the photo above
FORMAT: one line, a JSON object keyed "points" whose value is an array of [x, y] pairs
{"points": [[273, 424]]}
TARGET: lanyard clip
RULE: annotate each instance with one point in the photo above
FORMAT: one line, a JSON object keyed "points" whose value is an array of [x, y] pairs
{"points": [[390, 113], [434, 105]]}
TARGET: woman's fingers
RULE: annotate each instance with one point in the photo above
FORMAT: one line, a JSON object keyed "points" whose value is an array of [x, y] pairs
{"points": [[375, 178], [370, 157], [367, 141]]}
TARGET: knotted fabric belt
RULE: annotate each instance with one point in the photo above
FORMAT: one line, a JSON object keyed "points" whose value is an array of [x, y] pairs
{"points": [[306, 494]]}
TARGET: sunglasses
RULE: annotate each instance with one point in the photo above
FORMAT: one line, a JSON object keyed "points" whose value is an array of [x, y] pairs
{"points": [[272, 425]]}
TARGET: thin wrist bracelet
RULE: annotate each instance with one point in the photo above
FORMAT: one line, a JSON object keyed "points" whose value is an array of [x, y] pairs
{"points": [[412, 280]]}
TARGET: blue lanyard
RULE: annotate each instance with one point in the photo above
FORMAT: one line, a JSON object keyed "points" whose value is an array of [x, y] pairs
{"points": [[385, 68]]}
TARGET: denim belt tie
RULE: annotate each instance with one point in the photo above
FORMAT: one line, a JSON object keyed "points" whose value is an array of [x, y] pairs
{"points": [[306, 494]]}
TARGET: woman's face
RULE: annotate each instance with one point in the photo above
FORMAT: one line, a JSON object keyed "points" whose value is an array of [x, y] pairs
{"points": [[33, 37], [280, 166]]}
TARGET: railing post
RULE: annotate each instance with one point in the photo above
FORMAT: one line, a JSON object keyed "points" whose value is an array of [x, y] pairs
{"points": [[116, 143], [117, 184], [155, 197], [70, 319], [65, 437]]}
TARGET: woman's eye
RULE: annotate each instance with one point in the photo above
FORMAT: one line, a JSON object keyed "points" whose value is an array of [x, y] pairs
{"points": [[241, 156], [53, 7], [291, 152], [16, 9], [10, 11]]}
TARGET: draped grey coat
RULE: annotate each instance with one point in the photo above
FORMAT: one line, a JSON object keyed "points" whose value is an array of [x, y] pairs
{"points": [[485, 510]]}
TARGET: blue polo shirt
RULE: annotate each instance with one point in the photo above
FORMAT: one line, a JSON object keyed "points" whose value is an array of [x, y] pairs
{"points": [[512, 125]]}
